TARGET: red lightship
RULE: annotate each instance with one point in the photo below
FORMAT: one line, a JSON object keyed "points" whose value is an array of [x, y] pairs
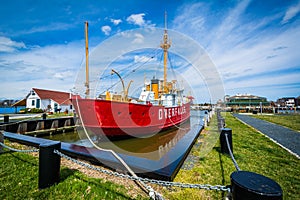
{"points": [[160, 106]]}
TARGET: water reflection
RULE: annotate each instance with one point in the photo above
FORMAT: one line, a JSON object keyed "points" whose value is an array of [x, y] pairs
{"points": [[153, 147]]}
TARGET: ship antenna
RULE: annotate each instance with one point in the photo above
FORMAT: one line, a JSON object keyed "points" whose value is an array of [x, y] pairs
{"points": [[87, 84], [165, 45], [166, 20]]}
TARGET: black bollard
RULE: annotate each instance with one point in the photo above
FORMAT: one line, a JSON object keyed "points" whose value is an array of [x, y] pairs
{"points": [[49, 164], [250, 186], [44, 116], [6, 118], [1, 140], [224, 147]]}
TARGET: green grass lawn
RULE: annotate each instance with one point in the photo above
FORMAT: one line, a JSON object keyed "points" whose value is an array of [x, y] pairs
{"points": [[288, 120], [253, 152], [19, 180]]}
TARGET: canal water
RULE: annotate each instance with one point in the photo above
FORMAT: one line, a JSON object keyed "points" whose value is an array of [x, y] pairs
{"points": [[153, 147]]}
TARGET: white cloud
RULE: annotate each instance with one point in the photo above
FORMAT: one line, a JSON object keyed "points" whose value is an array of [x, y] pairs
{"points": [[106, 30], [290, 13], [143, 59], [190, 16], [138, 38], [62, 75], [138, 19], [53, 26], [116, 21], [250, 54], [8, 45], [51, 67]]}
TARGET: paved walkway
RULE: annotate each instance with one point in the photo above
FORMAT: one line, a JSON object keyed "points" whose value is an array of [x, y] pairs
{"points": [[285, 137]]}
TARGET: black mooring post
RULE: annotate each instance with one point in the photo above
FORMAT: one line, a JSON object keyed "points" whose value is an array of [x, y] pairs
{"points": [[1, 140], [6, 119], [49, 164], [249, 186], [224, 147], [44, 116]]}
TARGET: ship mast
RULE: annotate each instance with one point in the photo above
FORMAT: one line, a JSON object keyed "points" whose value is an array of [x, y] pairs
{"points": [[87, 84], [165, 45]]}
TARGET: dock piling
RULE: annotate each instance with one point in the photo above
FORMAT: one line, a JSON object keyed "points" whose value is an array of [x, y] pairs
{"points": [[1, 140], [49, 164], [249, 185], [6, 119], [224, 147], [22, 127]]}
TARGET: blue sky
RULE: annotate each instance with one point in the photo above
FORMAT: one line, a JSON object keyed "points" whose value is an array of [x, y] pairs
{"points": [[254, 45]]}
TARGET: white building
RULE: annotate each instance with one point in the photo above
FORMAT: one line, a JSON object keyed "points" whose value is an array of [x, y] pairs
{"points": [[48, 100]]}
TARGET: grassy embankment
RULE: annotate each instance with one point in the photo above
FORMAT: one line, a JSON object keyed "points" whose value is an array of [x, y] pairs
{"points": [[253, 152], [19, 180], [289, 120]]}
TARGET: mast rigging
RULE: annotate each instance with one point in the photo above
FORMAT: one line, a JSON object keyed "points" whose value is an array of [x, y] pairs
{"points": [[87, 82], [165, 45]]}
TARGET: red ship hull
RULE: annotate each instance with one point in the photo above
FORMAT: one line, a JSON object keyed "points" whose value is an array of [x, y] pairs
{"points": [[122, 119]]}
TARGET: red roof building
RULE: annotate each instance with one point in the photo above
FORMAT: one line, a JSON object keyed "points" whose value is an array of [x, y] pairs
{"points": [[49, 100]]}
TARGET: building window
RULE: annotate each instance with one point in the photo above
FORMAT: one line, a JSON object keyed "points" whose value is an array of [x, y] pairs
{"points": [[33, 102], [71, 107]]}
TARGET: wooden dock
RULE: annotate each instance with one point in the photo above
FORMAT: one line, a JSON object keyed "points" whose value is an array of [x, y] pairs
{"points": [[41, 127]]}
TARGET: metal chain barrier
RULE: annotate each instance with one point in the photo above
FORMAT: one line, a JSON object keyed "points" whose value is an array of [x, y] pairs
{"points": [[19, 150], [231, 154], [147, 180]]}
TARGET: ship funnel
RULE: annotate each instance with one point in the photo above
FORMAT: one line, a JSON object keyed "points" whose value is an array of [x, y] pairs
{"points": [[147, 85], [154, 87]]}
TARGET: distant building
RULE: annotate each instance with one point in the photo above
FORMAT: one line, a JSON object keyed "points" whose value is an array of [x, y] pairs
{"points": [[245, 101], [7, 106], [297, 102], [289, 102], [49, 100]]}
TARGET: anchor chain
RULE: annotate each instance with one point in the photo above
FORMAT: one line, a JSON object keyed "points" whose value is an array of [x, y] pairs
{"points": [[19, 150], [147, 180]]}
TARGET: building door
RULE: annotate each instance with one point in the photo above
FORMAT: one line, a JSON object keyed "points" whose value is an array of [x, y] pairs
{"points": [[55, 107], [38, 103]]}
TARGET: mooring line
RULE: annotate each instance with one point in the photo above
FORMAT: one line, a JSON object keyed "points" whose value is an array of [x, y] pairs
{"points": [[153, 194], [231, 154]]}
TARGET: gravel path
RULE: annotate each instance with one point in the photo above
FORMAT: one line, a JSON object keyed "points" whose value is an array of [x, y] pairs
{"points": [[285, 137]]}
